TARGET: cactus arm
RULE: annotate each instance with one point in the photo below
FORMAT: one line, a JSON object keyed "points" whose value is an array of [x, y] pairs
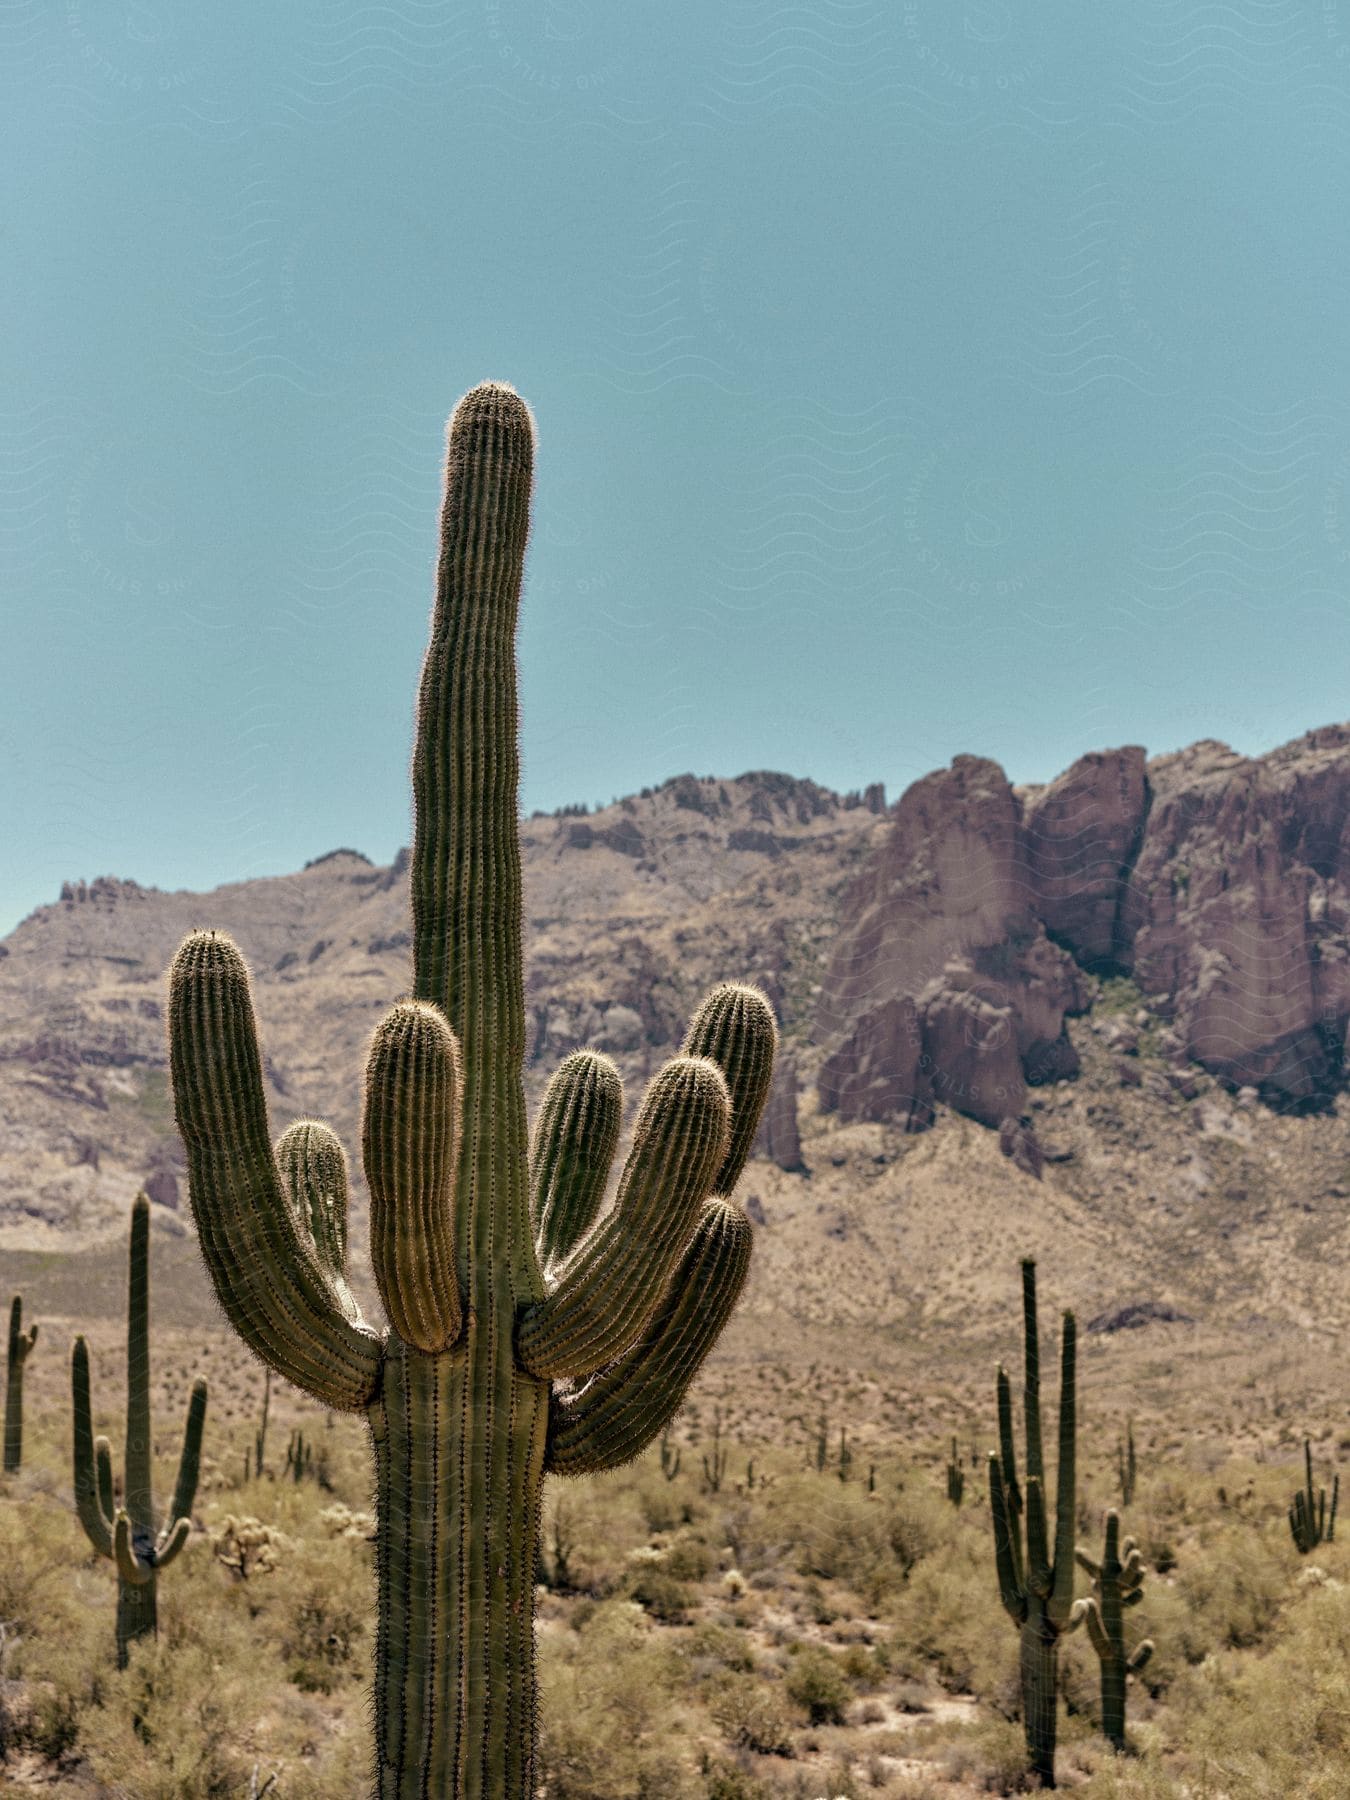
{"points": [[1006, 1557], [172, 1541], [1066, 1491], [734, 1027], [189, 1463], [410, 1147], [1092, 1618], [1089, 1564], [89, 1488], [313, 1169], [1335, 1496], [575, 1138], [265, 1272], [1032, 1388], [1140, 1655], [130, 1567], [104, 1476], [614, 1282], [1006, 1448], [615, 1415]]}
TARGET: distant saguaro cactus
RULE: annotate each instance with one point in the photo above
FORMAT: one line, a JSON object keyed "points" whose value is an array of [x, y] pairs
{"points": [[956, 1478], [1117, 1583], [1036, 1587], [1127, 1469], [1309, 1523], [20, 1347], [524, 1336], [129, 1533]]}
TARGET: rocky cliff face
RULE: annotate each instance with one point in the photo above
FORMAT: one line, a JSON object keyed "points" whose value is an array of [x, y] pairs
{"points": [[944, 915], [1220, 883], [918, 958]]}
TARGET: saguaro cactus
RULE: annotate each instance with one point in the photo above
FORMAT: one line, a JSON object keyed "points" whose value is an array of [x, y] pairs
{"points": [[1117, 1583], [129, 1533], [956, 1478], [1036, 1587], [524, 1336], [20, 1346], [1308, 1520], [1127, 1469]]}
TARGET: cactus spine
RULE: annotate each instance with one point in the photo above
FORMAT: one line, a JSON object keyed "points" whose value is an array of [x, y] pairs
{"points": [[1308, 1520], [524, 1336], [1117, 1583], [20, 1347], [129, 1534], [1036, 1587]]}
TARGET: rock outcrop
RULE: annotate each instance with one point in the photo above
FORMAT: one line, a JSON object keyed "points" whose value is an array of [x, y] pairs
{"points": [[943, 916], [1237, 912], [779, 1137], [1081, 834], [1220, 883]]}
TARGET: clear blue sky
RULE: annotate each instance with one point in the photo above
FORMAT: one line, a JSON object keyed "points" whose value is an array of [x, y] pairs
{"points": [[910, 379]]}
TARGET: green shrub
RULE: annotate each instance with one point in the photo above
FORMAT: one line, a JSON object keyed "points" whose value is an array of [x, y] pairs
{"points": [[817, 1684]]}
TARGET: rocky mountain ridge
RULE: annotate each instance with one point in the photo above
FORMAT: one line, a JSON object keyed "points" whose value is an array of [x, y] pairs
{"points": [[926, 959]]}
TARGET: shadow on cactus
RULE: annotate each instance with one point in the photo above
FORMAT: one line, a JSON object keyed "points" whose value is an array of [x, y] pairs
{"points": [[129, 1534], [527, 1333]]}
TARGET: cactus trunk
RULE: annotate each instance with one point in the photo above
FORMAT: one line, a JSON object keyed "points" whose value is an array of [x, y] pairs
{"points": [[13, 1416], [137, 1615], [1038, 1660], [455, 1550]]}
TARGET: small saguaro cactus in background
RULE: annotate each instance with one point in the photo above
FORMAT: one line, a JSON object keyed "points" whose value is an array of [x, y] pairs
{"points": [[1036, 1586], [1117, 1582], [956, 1478], [845, 1456], [1309, 1521], [1126, 1468], [299, 1456], [260, 1435], [715, 1458], [526, 1333], [20, 1347], [129, 1534], [670, 1456]]}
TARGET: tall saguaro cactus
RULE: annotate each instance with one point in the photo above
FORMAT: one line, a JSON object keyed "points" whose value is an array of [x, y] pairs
{"points": [[524, 1335], [129, 1534], [1118, 1582], [1036, 1586], [20, 1347]]}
